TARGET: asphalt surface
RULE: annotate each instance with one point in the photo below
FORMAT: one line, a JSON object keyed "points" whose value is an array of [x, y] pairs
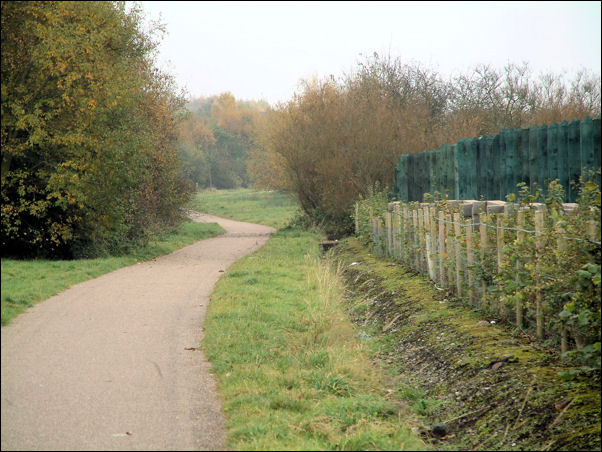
{"points": [[114, 363]]}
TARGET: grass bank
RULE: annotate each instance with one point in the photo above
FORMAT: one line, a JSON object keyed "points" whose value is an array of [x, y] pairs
{"points": [[292, 372], [27, 282], [490, 386], [270, 208]]}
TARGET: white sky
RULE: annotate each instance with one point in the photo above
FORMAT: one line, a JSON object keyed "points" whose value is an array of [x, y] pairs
{"points": [[260, 50]]}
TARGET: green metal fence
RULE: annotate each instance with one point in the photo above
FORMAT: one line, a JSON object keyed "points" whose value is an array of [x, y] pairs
{"points": [[490, 167]]}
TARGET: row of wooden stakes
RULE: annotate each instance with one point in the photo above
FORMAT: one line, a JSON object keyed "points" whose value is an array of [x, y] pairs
{"points": [[446, 243]]}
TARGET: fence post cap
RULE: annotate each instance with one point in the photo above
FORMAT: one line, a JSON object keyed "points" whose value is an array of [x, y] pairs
{"points": [[467, 206], [479, 207], [495, 206]]}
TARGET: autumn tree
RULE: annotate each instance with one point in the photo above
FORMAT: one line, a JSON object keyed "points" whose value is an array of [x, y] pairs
{"points": [[221, 160], [88, 130], [195, 141], [337, 139], [487, 100]]}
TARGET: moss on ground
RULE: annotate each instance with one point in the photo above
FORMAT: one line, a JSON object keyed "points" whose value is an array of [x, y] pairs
{"points": [[493, 389]]}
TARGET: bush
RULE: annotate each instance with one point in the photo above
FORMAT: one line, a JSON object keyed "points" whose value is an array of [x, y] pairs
{"points": [[88, 130]]}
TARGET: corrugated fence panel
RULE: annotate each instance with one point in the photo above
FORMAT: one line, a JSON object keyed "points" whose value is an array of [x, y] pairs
{"points": [[552, 152], [430, 158], [574, 152], [596, 144], [507, 161], [498, 169], [453, 177], [587, 146], [449, 169], [541, 157], [481, 168], [442, 177], [491, 166], [436, 171], [523, 174], [411, 174], [466, 153], [401, 180], [563, 156], [533, 163], [424, 174], [421, 175]]}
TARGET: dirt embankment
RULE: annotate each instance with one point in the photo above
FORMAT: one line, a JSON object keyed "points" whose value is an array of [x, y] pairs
{"points": [[491, 388]]}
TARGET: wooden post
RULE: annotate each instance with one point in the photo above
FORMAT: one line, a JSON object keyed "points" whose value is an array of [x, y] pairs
{"points": [[591, 230], [470, 263], [406, 242], [562, 248], [500, 256], [458, 247], [357, 224], [421, 246], [423, 235], [539, 247], [448, 229], [375, 229], [374, 232], [381, 234], [520, 236], [429, 243], [396, 227], [433, 230], [484, 244], [442, 256], [415, 240], [409, 237], [389, 233], [500, 241]]}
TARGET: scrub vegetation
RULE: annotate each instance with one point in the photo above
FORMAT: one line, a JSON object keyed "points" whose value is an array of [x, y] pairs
{"points": [[338, 138]]}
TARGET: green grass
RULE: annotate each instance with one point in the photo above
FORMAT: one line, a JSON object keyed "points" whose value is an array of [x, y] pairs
{"points": [[292, 373], [270, 208], [27, 282]]}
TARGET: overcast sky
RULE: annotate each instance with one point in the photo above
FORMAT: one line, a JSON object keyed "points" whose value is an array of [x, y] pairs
{"points": [[260, 50]]}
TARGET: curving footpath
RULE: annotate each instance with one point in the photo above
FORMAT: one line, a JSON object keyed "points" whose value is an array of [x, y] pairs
{"points": [[113, 363]]}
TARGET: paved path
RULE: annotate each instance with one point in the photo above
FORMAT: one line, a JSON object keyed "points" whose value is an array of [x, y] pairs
{"points": [[105, 366]]}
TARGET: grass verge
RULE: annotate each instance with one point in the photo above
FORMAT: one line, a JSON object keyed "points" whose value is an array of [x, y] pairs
{"points": [[291, 370], [27, 282], [269, 208], [490, 385]]}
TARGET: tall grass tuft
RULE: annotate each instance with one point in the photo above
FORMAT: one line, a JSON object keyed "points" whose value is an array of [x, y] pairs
{"points": [[291, 370]]}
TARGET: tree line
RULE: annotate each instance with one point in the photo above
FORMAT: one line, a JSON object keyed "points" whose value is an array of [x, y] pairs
{"points": [[100, 150], [89, 130], [339, 139], [217, 138]]}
